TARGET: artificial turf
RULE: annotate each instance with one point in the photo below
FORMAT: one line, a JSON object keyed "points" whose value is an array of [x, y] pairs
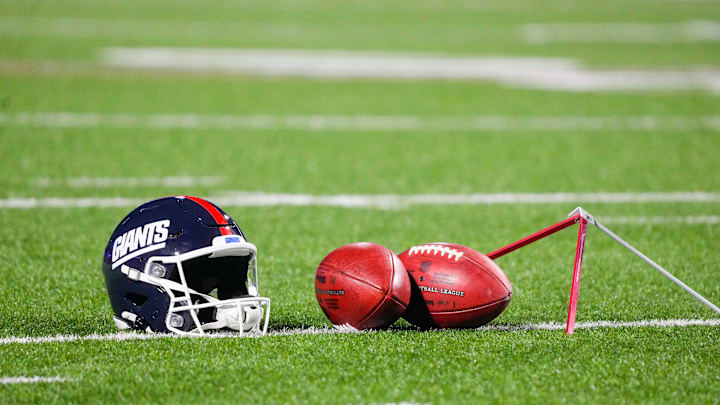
{"points": [[50, 278]]}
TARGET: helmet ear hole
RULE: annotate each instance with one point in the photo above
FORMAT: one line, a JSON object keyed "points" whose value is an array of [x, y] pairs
{"points": [[136, 299]]}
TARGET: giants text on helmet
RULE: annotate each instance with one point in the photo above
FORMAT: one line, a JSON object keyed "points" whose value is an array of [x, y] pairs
{"points": [[140, 237]]}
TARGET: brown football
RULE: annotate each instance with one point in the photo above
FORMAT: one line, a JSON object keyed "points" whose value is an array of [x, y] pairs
{"points": [[363, 285], [454, 286]]}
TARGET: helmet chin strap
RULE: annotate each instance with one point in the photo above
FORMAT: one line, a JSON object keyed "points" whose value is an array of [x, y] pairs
{"points": [[242, 318]]}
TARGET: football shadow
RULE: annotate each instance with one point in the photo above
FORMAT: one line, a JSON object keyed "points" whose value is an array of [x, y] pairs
{"points": [[417, 312]]}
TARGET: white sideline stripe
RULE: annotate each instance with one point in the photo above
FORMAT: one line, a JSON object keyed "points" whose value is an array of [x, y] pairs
{"points": [[343, 123], [124, 336], [331, 63], [646, 33], [136, 29], [388, 201], [32, 380], [107, 182], [660, 323], [662, 220], [538, 73]]}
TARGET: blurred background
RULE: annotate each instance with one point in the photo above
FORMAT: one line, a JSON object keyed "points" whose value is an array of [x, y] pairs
{"points": [[136, 99]]}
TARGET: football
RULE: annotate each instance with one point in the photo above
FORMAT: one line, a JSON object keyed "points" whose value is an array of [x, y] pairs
{"points": [[454, 286], [363, 285]]}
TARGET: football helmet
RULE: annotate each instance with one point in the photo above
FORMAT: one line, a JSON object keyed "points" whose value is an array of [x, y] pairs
{"points": [[181, 264]]}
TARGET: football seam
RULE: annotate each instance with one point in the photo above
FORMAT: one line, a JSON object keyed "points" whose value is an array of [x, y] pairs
{"points": [[507, 298], [385, 297], [353, 277], [392, 280], [489, 273], [376, 308]]}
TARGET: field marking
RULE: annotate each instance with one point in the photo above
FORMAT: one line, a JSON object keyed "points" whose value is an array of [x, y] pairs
{"points": [[663, 220], [536, 73], [384, 123], [652, 323], [644, 33], [380, 201], [136, 29], [125, 336], [326, 63], [32, 380], [108, 182]]}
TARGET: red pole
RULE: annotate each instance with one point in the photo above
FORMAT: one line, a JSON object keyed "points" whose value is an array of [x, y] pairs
{"points": [[536, 236], [577, 269]]}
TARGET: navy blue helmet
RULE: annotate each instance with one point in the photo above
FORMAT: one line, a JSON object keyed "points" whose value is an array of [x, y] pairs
{"points": [[181, 264]]}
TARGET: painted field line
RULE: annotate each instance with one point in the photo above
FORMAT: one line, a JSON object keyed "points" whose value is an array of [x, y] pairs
{"points": [[136, 29], [537, 73], [663, 220], [383, 123], [644, 33], [107, 182], [32, 380], [125, 336], [659, 323], [381, 201], [326, 63]]}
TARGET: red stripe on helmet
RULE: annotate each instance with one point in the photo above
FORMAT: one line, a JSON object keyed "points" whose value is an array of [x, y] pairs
{"points": [[214, 212]]}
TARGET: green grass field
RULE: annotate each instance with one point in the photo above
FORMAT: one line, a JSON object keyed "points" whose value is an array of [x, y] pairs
{"points": [[50, 278]]}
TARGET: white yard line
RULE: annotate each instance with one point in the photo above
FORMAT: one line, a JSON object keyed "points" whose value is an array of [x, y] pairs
{"points": [[124, 29], [538, 73], [652, 323], [380, 201], [327, 64], [32, 380], [643, 33], [107, 182], [662, 220], [383, 123], [123, 336]]}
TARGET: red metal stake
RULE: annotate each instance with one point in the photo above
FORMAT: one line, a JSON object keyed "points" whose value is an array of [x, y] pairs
{"points": [[577, 269], [582, 217], [534, 237]]}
